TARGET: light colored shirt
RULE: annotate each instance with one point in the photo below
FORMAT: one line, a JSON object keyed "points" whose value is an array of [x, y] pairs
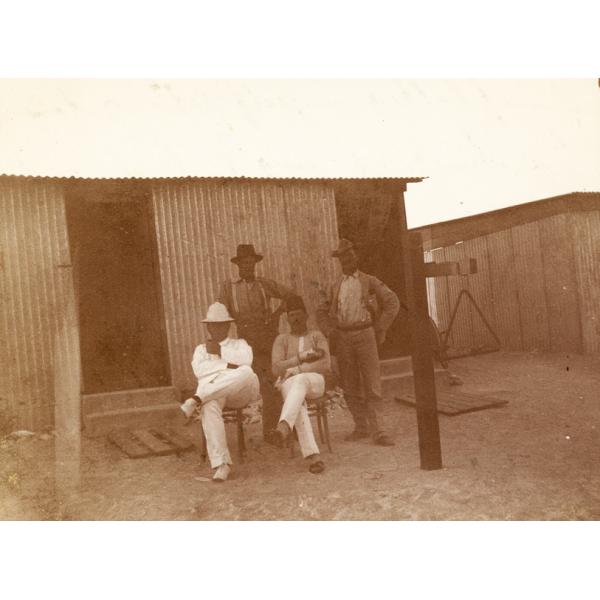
{"points": [[251, 300], [351, 307], [207, 366], [287, 346]]}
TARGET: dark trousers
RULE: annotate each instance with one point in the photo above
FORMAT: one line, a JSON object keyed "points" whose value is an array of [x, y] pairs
{"points": [[271, 398], [360, 373]]}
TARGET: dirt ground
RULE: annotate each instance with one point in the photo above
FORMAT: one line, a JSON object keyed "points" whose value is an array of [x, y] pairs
{"points": [[536, 458]]}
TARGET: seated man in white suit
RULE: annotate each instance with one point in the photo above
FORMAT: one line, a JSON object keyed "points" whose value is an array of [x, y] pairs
{"points": [[223, 367]]}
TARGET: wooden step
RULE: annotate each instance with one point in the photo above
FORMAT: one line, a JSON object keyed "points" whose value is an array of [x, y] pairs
{"points": [[135, 418], [127, 399]]}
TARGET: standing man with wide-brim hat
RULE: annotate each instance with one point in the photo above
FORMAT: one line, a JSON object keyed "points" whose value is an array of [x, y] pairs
{"points": [[356, 316], [248, 299]]}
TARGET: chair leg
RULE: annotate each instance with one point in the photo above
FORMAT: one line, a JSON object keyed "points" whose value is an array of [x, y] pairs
{"points": [[240, 435], [292, 441], [326, 427], [320, 426], [203, 446]]}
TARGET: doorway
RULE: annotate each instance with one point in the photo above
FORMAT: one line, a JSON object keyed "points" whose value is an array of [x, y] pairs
{"points": [[368, 215], [117, 278]]}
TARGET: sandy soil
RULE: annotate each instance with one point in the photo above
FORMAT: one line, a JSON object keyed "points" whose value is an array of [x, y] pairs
{"points": [[536, 458]]}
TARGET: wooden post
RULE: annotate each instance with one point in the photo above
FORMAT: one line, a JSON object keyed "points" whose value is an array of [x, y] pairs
{"points": [[422, 358], [422, 362], [67, 388]]}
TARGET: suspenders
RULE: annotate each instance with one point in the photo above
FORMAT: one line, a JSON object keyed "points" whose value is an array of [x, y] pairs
{"points": [[236, 302]]}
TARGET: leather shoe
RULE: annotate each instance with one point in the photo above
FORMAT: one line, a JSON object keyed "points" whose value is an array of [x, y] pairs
{"points": [[278, 437], [356, 435], [222, 473]]}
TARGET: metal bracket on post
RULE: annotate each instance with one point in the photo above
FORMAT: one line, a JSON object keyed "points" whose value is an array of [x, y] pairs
{"points": [[422, 359]]}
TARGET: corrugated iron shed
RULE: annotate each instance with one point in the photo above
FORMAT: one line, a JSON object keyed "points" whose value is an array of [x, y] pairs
{"points": [[198, 222], [538, 275]]}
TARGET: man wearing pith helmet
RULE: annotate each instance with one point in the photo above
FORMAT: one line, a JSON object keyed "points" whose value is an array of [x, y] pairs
{"points": [[248, 299], [356, 316], [225, 379]]}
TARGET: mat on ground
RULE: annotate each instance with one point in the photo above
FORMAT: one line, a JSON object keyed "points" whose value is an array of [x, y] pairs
{"points": [[452, 404], [142, 443]]}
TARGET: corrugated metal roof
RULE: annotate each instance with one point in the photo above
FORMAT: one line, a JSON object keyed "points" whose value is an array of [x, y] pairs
{"points": [[215, 178], [446, 233]]}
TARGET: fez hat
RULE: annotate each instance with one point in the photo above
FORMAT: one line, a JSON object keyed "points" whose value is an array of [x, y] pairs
{"points": [[344, 246], [217, 313], [245, 250], [294, 302]]}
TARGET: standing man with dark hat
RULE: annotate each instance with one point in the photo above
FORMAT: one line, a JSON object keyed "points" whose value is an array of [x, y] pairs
{"points": [[356, 316], [248, 299]]}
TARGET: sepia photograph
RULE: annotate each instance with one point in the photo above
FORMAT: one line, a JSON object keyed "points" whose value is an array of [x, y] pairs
{"points": [[299, 300], [388, 310]]}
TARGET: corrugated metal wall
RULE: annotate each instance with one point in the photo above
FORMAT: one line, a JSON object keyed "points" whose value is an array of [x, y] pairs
{"points": [[199, 225], [585, 227], [538, 285], [33, 241]]}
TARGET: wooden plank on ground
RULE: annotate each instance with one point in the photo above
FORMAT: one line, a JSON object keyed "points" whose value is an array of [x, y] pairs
{"points": [[155, 444], [180, 442], [128, 444]]}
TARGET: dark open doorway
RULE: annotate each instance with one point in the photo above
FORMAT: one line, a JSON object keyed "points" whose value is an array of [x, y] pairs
{"points": [[121, 317], [368, 216]]}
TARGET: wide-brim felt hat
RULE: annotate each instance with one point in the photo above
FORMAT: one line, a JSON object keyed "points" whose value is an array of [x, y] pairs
{"points": [[245, 250], [217, 313], [343, 247], [294, 302]]}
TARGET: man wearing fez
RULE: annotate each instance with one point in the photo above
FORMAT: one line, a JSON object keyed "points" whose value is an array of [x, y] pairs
{"points": [[300, 362], [248, 300], [225, 379], [356, 316]]}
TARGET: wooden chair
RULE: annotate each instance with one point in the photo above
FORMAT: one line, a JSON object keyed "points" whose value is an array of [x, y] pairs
{"points": [[230, 415], [319, 408]]}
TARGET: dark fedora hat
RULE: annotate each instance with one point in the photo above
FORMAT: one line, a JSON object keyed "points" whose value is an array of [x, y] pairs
{"points": [[294, 302], [343, 247], [245, 250]]}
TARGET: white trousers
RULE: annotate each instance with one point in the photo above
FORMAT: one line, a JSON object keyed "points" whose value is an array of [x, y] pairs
{"points": [[295, 391], [234, 388]]}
